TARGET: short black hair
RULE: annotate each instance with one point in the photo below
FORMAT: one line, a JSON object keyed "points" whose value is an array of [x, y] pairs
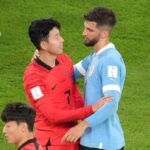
{"points": [[19, 112], [39, 30], [102, 16]]}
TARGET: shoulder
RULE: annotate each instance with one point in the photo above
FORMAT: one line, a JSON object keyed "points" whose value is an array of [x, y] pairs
{"points": [[65, 60], [112, 56], [33, 74]]}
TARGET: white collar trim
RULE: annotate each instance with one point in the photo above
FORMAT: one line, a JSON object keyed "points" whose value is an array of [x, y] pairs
{"points": [[110, 45]]}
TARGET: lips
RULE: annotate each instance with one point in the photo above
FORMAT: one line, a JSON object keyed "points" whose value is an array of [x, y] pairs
{"points": [[6, 136], [85, 39]]}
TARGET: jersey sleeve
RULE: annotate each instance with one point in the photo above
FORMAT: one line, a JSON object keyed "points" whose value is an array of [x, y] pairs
{"points": [[81, 67], [42, 99], [110, 73]]}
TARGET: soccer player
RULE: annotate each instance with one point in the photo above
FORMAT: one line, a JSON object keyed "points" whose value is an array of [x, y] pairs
{"points": [[50, 88], [104, 72], [18, 127]]}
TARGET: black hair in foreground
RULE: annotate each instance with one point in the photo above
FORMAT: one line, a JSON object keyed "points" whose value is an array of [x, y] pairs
{"points": [[19, 112]]}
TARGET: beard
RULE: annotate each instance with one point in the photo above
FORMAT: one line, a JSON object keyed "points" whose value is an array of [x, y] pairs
{"points": [[90, 43]]}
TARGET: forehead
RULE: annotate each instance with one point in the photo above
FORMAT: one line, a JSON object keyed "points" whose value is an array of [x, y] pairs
{"points": [[90, 24], [13, 123], [54, 31]]}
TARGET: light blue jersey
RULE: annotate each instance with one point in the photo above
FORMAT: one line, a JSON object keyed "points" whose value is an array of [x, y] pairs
{"points": [[104, 73]]}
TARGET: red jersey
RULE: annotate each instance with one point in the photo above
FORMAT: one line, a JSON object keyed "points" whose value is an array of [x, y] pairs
{"points": [[56, 99], [30, 145]]}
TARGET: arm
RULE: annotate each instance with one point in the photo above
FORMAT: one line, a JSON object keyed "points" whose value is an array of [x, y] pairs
{"points": [[112, 75], [76, 132], [81, 67], [40, 95], [112, 84]]}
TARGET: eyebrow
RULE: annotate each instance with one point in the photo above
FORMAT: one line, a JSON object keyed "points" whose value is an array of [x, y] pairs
{"points": [[89, 29]]}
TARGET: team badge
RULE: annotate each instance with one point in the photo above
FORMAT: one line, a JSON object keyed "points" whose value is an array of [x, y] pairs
{"points": [[36, 92], [112, 71]]}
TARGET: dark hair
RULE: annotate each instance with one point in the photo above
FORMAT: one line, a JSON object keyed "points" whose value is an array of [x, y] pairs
{"points": [[39, 30], [102, 16], [19, 112]]}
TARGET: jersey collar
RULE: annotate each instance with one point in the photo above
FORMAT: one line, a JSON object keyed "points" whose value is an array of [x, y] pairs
{"points": [[41, 63], [27, 142], [110, 45]]}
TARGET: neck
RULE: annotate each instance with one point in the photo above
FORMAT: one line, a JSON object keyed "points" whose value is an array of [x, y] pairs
{"points": [[47, 58], [25, 138], [99, 45]]}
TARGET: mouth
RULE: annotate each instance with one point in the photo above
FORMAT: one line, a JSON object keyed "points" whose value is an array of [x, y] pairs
{"points": [[6, 137], [86, 39]]}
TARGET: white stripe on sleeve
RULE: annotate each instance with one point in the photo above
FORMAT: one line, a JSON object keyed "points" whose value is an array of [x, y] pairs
{"points": [[80, 68], [111, 88]]}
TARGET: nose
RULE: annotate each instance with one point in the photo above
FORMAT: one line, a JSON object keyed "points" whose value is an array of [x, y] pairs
{"points": [[61, 38], [4, 129], [84, 32]]}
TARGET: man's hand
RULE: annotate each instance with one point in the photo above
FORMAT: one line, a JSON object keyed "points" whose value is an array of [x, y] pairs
{"points": [[36, 54], [101, 102], [75, 133]]}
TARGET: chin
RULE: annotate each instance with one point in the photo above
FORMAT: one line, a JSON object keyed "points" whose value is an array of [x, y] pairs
{"points": [[60, 52]]}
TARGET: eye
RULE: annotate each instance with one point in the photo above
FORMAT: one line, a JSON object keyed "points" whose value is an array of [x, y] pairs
{"points": [[7, 126], [58, 36]]}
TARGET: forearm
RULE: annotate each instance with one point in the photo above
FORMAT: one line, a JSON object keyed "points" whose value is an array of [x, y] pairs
{"points": [[60, 116], [75, 133], [104, 112], [76, 114]]}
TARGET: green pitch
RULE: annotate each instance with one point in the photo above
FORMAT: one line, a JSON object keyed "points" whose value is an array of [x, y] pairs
{"points": [[131, 36]]}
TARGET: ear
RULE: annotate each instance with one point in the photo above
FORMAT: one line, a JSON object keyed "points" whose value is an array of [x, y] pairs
{"points": [[43, 45], [105, 34], [23, 126]]}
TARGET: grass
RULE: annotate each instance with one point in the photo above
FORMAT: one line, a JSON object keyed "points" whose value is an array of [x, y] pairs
{"points": [[131, 36]]}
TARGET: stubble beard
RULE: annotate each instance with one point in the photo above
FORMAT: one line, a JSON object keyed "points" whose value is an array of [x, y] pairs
{"points": [[90, 43]]}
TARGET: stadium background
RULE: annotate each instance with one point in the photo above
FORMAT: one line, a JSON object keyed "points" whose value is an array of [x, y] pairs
{"points": [[131, 36]]}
